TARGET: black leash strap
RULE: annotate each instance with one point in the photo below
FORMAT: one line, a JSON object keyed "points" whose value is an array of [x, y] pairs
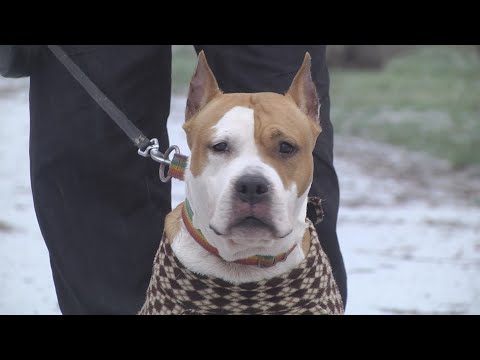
{"points": [[137, 137], [146, 147]]}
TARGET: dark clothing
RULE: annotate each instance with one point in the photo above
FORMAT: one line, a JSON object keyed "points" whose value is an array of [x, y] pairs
{"points": [[99, 205], [16, 60]]}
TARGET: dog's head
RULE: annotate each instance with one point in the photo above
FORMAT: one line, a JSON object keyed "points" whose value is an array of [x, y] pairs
{"points": [[251, 163]]}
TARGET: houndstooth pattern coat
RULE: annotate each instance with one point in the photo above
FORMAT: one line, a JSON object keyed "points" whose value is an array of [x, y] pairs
{"points": [[309, 289]]}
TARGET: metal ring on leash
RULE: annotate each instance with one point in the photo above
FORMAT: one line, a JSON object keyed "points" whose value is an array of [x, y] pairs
{"points": [[154, 153], [167, 161]]}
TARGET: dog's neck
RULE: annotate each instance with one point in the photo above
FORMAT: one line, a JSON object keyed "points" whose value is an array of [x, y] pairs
{"points": [[196, 258], [257, 260]]}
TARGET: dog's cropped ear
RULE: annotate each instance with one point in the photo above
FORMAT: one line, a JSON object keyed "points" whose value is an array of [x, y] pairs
{"points": [[303, 91], [203, 88]]}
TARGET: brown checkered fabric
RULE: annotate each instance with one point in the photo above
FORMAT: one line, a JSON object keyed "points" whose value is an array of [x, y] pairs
{"points": [[315, 210], [309, 289]]}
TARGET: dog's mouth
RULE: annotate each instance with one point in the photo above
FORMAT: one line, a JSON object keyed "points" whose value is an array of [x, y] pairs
{"points": [[251, 222], [251, 227]]}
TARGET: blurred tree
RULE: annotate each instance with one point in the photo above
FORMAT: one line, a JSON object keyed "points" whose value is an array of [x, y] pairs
{"points": [[363, 56]]}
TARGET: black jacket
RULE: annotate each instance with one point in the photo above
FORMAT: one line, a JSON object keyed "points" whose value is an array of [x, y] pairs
{"points": [[17, 60]]}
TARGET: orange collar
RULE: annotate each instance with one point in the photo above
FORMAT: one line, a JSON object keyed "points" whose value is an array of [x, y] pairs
{"points": [[262, 261]]}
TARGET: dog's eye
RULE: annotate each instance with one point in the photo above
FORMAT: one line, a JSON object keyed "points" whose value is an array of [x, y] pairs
{"points": [[220, 147], [286, 148]]}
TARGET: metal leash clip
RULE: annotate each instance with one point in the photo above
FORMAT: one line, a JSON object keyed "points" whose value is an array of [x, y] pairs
{"points": [[176, 166], [154, 152]]}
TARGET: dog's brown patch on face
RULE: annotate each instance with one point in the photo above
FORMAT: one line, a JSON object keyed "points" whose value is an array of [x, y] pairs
{"points": [[199, 129], [277, 120]]}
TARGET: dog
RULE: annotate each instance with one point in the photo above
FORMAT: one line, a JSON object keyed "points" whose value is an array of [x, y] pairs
{"points": [[241, 242]]}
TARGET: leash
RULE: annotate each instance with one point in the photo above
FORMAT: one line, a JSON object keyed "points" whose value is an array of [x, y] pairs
{"points": [[146, 147]]}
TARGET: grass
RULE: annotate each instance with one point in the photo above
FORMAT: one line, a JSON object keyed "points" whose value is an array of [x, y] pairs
{"points": [[183, 65], [427, 100]]}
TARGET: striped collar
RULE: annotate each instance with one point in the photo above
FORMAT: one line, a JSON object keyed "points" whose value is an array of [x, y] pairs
{"points": [[262, 261]]}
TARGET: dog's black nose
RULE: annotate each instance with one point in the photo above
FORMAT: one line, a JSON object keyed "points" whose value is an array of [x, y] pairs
{"points": [[252, 188]]}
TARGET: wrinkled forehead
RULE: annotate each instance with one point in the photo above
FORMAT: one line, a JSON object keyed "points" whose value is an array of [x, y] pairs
{"points": [[270, 112]]}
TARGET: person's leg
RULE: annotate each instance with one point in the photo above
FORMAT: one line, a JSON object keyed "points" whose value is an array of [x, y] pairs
{"points": [[100, 206], [256, 68]]}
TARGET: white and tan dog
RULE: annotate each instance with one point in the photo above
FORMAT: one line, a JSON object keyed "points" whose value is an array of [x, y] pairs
{"points": [[247, 180]]}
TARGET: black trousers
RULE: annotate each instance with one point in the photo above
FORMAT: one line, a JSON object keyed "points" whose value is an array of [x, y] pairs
{"points": [[100, 206]]}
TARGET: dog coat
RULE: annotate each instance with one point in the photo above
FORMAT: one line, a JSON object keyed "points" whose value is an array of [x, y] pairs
{"points": [[308, 289]]}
